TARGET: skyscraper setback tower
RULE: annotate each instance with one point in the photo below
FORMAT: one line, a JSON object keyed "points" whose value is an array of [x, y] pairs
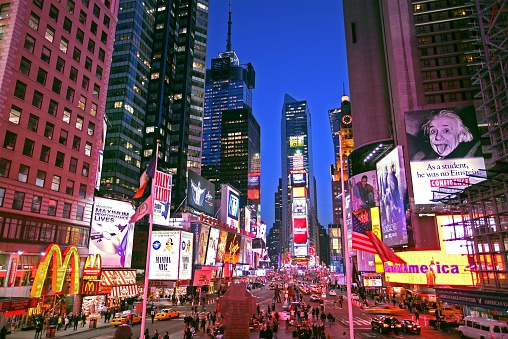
{"points": [[156, 93], [228, 86], [299, 213]]}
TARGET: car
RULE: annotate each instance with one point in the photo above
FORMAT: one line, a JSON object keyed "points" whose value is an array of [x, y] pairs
{"points": [[315, 297], [384, 309], [287, 307], [384, 324], [167, 313], [332, 292], [409, 326], [123, 318]]}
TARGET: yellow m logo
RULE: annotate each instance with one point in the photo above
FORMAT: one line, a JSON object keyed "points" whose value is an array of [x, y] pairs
{"points": [[60, 265]]}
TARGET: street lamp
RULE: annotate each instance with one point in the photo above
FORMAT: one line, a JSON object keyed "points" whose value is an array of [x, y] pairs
{"points": [[345, 241]]}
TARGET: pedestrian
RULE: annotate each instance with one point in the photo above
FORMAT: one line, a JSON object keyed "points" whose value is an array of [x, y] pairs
{"points": [[155, 334], [75, 320], [67, 322], [417, 315], [147, 333], [83, 319], [166, 335], [38, 328]]}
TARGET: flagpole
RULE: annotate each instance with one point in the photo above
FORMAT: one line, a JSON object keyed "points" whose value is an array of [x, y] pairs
{"points": [[345, 242], [148, 250]]}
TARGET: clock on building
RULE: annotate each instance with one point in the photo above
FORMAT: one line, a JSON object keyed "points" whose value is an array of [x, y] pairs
{"points": [[347, 119]]}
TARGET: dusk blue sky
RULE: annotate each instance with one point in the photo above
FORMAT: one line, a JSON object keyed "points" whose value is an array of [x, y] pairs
{"points": [[296, 47]]}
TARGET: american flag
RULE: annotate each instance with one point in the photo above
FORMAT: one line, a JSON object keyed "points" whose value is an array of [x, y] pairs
{"points": [[365, 240]]}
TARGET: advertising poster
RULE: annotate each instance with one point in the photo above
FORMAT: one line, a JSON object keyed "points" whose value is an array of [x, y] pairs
{"points": [[165, 255], [393, 196], [253, 186], [162, 198], [247, 251], [364, 190], [247, 219], [298, 178], [203, 242], [232, 253], [221, 247], [186, 253], [213, 242], [366, 261], [299, 207], [111, 235], [200, 194], [300, 231], [233, 209], [444, 149]]}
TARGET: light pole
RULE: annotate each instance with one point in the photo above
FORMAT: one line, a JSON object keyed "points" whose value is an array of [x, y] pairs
{"points": [[345, 243]]}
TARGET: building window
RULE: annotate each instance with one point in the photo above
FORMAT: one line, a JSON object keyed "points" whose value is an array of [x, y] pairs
{"points": [[50, 33], [96, 11], [46, 54], [60, 65], [93, 27], [24, 66], [10, 140], [102, 54], [85, 82], [79, 122], [70, 94], [20, 90], [19, 199], [88, 149], [73, 74], [93, 110], [38, 3], [70, 6], [80, 212], [85, 169], [53, 107], [2, 196], [2, 32], [53, 13], [29, 44], [36, 204], [15, 115], [40, 179], [42, 75], [96, 90], [106, 20], [55, 183], [82, 191], [34, 21], [82, 102], [76, 143], [91, 45], [98, 72], [64, 44], [63, 137], [57, 86], [66, 213], [67, 25], [49, 130], [45, 152], [60, 158], [88, 64], [5, 167], [52, 205], [91, 128], [73, 165], [80, 35], [104, 37], [37, 99], [67, 115], [82, 17], [23, 172], [69, 189], [33, 123], [28, 148]]}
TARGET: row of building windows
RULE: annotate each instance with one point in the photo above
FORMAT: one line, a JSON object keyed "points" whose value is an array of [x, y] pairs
{"points": [[42, 232]]}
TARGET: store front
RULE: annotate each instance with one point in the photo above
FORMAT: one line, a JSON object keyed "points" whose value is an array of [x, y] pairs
{"points": [[121, 288]]}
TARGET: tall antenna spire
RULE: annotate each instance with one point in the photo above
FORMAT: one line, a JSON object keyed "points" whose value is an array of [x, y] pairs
{"points": [[228, 45], [343, 88]]}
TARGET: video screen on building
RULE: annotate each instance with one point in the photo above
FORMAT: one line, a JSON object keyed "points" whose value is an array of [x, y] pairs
{"points": [[232, 251], [364, 190], [298, 178], [200, 194], [300, 231], [221, 247], [202, 244], [213, 242]]}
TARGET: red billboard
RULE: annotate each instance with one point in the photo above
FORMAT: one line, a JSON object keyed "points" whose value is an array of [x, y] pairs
{"points": [[300, 231]]}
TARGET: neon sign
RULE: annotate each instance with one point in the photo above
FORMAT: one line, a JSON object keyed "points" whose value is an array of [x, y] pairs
{"points": [[60, 264]]}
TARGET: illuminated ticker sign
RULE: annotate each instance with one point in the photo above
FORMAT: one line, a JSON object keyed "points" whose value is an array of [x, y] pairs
{"points": [[60, 264]]}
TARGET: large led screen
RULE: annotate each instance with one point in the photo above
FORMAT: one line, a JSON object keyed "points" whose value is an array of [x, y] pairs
{"points": [[300, 231], [232, 250], [298, 178], [221, 247], [111, 235], [165, 255], [392, 185], [202, 243], [200, 194], [299, 207], [213, 242], [444, 150], [162, 198], [364, 190]]}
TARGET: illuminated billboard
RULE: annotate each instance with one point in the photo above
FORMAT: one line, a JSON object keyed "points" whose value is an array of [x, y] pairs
{"points": [[298, 178], [247, 219], [232, 250], [186, 254], [230, 206], [253, 186], [162, 198], [202, 243], [111, 235], [444, 150], [364, 190], [200, 194], [300, 231], [392, 185], [165, 255], [433, 268], [221, 246], [299, 207], [301, 251], [296, 141], [213, 242], [299, 192]]}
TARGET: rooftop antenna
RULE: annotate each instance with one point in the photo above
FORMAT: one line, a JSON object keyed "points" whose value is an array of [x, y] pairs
{"points": [[228, 45], [344, 88]]}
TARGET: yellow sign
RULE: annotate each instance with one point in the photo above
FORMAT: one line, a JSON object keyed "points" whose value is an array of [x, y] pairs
{"points": [[296, 141], [92, 268], [60, 265]]}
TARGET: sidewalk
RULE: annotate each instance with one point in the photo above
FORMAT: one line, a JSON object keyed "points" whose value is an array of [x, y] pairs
{"points": [[63, 333]]}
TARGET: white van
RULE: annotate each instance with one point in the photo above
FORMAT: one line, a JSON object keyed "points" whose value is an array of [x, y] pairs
{"points": [[483, 328]]}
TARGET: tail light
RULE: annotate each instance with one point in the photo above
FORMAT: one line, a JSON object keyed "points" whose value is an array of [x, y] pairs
{"points": [[409, 326], [385, 325]]}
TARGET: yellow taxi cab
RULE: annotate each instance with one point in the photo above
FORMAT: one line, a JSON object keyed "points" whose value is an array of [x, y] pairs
{"points": [[123, 318], [384, 309], [167, 313]]}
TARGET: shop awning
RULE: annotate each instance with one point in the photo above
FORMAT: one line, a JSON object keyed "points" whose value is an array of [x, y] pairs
{"points": [[124, 291]]}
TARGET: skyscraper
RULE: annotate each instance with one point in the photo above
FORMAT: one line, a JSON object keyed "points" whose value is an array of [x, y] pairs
{"points": [[228, 86], [298, 184], [157, 94]]}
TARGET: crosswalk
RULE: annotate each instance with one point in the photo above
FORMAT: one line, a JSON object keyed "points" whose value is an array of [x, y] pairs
{"points": [[357, 322]]}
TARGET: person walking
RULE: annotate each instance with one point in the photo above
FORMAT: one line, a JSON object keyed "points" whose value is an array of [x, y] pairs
{"points": [[75, 320], [83, 320], [417, 315], [152, 314], [38, 328], [155, 334], [67, 322]]}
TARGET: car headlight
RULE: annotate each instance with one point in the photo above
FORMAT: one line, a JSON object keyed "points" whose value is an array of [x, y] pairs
{"points": [[385, 325]]}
